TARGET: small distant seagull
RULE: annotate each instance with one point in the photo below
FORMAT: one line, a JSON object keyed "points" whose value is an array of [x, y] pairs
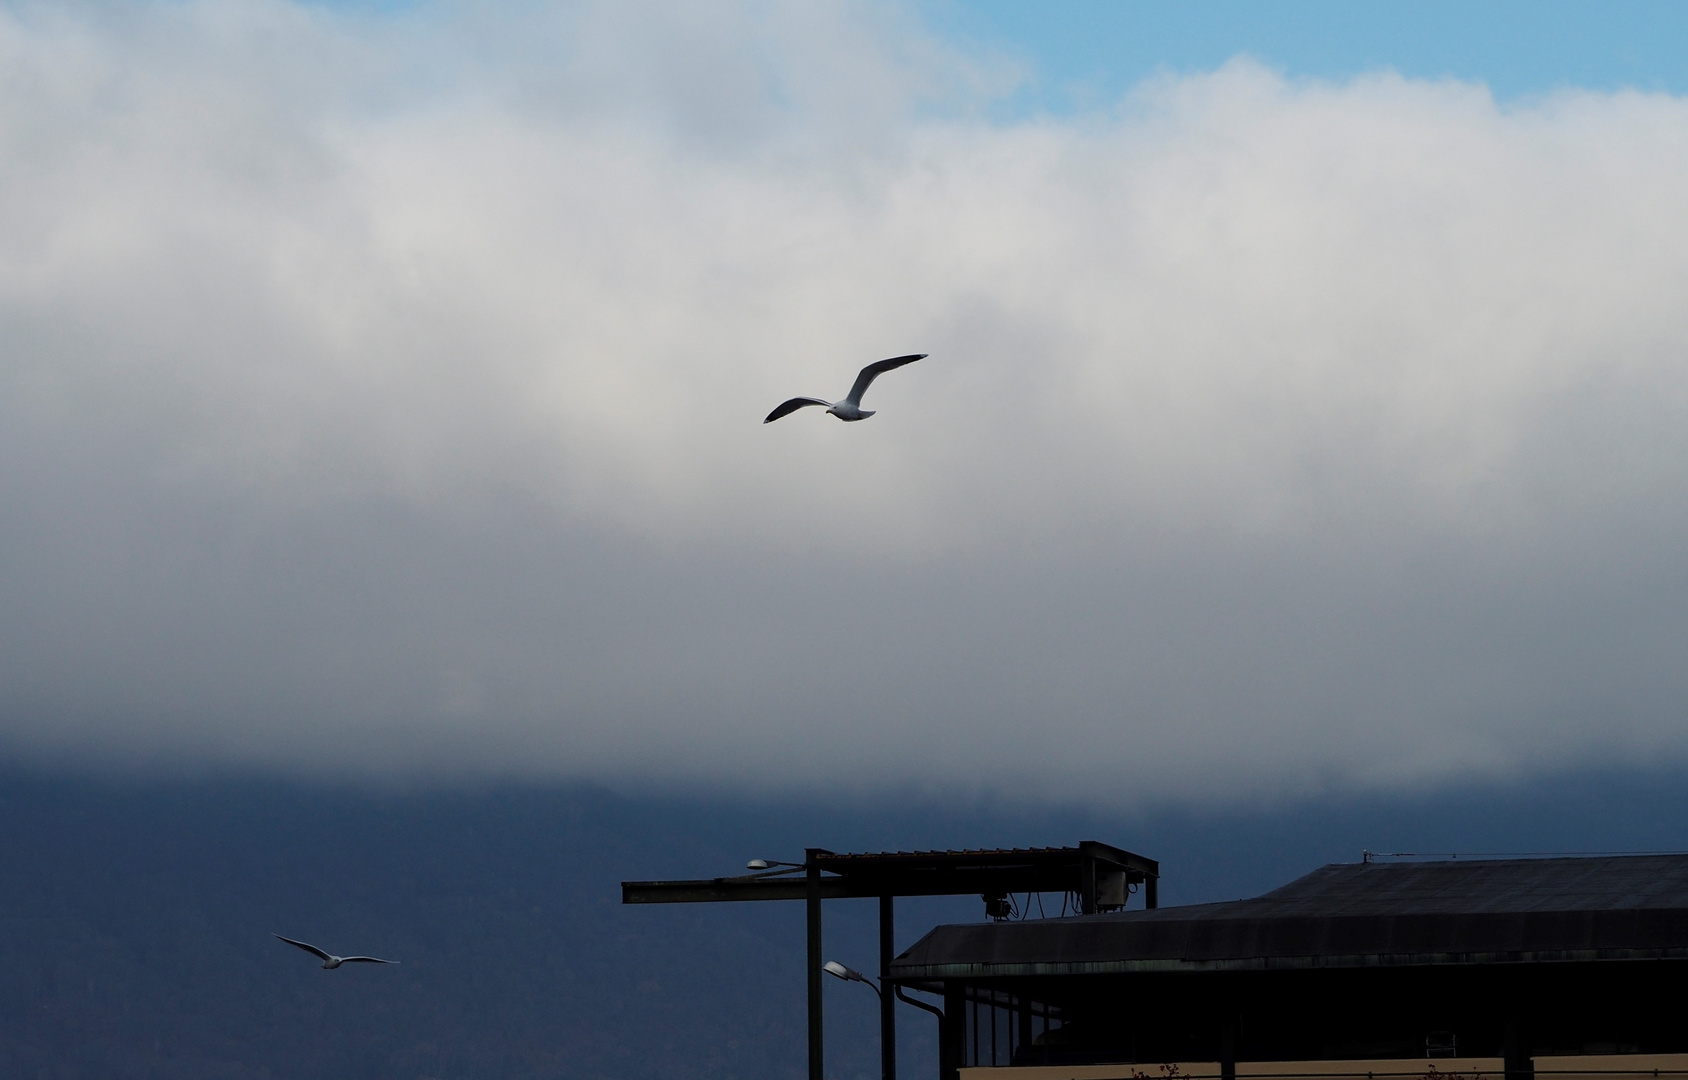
{"points": [[329, 960], [851, 407]]}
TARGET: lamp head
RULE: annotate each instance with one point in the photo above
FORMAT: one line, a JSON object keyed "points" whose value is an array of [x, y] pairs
{"points": [[756, 864], [839, 971]]}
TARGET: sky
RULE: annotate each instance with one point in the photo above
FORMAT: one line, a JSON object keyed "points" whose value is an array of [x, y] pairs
{"points": [[1083, 53], [381, 392]]}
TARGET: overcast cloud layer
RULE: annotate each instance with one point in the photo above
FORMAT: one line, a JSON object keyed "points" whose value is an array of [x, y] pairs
{"points": [[384, 396]]}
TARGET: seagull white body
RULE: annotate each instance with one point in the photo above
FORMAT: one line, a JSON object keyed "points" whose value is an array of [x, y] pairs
{"points": [[329, 960], [851, 407]]}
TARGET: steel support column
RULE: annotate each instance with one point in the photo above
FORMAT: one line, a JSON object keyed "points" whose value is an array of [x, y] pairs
{"points": [[887, 1000], [952, 1034], [1515, 1053], [817, 1050]]}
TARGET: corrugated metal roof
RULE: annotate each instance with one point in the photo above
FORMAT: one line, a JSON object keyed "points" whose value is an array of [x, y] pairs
{"points": [[1455, 886], [1082, 869], [1354, 914], [949, 852]]}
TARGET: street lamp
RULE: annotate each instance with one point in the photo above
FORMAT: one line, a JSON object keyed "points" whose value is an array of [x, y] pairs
{"points": [[849, 974]]}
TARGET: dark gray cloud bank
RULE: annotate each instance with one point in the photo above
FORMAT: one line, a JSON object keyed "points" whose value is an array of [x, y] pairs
{"points": [[381, 396]]}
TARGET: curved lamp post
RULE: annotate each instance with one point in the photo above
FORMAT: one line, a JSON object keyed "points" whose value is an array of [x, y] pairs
{"points": [[850, 974]]}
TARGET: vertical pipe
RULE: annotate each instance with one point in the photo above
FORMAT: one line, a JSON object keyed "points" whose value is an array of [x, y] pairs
{"points": [[1151, 892], [887, 999], [1087, 886], [1228, 1049], [817, 1054]]}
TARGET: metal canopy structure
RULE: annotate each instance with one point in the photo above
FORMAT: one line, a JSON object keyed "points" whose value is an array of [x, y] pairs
{"points": [[1101, 876], [1508, 958]]}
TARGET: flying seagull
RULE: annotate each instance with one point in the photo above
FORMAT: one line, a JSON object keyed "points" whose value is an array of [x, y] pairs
{"points": [[851, 407], [329, 960]]}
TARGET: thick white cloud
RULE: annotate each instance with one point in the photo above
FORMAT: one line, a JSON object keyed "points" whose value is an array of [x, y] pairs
{"points": [[383, 395]]}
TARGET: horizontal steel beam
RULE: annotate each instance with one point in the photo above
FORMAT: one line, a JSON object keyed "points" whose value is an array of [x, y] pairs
{"points": [[716, 890], [937, 873]]}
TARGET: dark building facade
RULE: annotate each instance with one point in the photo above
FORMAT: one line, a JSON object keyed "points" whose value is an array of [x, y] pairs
{"points": [[1509, 959]]}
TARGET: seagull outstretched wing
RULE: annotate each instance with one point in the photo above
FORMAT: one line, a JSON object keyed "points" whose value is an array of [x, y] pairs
{"points": [[365, 960], [872, 372], [786, 408], [312, 949]]}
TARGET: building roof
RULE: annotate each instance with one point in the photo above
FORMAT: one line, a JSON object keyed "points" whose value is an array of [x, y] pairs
{"points": [[1473, 886], [1365, 914]]}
